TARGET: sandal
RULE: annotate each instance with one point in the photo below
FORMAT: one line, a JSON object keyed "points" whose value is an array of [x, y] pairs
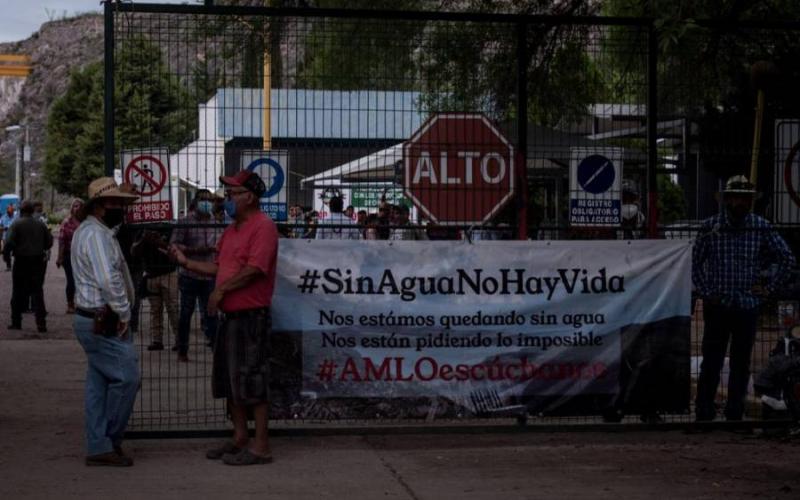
{"points": [[225, 449], [110, 459], [246, 457]]}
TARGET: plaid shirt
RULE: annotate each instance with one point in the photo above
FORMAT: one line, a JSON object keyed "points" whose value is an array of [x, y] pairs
{"points": [[67, 231], [727, 261]]}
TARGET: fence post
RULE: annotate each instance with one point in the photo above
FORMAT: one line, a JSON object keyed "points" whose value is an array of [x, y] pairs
{"points": [[108, 85], [652, 131], [522, 130]]}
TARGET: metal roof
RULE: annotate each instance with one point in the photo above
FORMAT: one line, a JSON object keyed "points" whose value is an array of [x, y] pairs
{"points": [[320, 114]]}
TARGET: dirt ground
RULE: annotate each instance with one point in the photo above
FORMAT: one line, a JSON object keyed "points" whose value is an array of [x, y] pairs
{"points": [[41, 450]]}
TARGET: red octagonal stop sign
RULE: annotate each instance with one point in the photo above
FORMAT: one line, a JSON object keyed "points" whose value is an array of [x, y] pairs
{"points": [[459, 169]]}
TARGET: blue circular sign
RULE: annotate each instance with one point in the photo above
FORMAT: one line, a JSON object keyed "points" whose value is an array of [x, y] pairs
{"points": [[278, 178], [596, 174]]}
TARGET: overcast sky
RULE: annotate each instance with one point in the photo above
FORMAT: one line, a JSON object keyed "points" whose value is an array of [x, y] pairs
{"points": [[21, 18]]}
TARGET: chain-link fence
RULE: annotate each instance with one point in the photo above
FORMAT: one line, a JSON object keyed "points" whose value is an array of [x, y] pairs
{"points": [[332, 105]]}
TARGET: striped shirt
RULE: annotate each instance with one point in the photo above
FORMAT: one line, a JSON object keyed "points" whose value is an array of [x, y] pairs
{"points": [[727, 261], [101, 274]]}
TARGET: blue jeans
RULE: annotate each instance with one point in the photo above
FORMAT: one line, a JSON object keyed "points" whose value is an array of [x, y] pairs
{"points": [[112, 381], [194, 291]]}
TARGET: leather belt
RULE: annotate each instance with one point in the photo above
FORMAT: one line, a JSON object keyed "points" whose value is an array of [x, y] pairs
{"points": [[247, 313], [84, 312]]}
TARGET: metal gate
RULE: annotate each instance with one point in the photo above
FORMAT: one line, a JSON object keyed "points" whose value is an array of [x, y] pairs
{"points": [[334, 94]]}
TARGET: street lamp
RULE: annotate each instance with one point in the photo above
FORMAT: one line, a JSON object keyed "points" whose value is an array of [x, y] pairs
{"points": [[23, 155]]}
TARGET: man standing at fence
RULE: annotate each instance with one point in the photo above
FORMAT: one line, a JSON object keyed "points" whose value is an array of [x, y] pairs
{"points": [[730, 252], [197, 239], [404, 231], [245, 280], [337, 226], [103, 298]]}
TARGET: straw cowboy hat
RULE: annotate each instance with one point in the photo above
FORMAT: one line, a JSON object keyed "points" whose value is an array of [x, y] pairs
{"points": [[739, 184], [106, 187]]}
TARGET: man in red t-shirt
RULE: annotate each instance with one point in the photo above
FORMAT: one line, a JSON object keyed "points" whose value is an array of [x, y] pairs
{"points": [[245, 280]]}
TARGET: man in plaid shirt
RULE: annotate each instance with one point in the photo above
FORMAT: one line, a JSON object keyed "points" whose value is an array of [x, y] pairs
{"points": [[198, 240], [729, 255]]}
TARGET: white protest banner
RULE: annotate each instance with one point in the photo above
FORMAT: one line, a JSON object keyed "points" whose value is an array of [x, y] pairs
{"points": [[148, 171], [445, 319]]}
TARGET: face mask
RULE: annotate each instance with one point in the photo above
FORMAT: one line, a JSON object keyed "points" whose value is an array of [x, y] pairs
{"points": [[230, 208], [113, 217], [738, 212], [204, 206], [629, 210]]}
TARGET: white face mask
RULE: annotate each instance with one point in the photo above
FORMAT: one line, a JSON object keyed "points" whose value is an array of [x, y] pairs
{"points": [[630, 210]]}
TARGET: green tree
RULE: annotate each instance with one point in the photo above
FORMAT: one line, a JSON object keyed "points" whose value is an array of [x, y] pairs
{"points": [[74, 143], [233, 48], [6, 176], [671, 200], [458, 66], [152, 109], [349, 54], [704, 69], [469, 66]]}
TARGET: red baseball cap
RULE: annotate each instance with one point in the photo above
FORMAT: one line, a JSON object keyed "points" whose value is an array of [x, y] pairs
{"points": [[248, 180]]}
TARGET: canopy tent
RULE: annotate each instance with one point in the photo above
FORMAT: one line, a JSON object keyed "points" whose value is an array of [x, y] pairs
{"points": [[378, 166]]}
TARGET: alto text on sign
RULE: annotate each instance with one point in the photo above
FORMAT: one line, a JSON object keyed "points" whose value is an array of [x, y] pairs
{"points": [[459, 169]]}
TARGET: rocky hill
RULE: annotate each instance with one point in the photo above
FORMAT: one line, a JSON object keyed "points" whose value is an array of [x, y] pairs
{"points": [[60, 47], [56, 49], [187, 43]]}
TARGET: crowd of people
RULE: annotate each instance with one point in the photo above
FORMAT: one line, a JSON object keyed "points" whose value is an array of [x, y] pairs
{"points": [[229, 273], [222, 258], [388, 222]]}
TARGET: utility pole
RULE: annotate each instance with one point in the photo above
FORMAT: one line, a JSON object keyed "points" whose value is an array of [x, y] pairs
{"points": [[22, 155], [19, 187], [267, 96]]}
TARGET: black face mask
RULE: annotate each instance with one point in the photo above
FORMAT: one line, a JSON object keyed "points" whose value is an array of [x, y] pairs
{"points": [[737, 213], [114, 217]]}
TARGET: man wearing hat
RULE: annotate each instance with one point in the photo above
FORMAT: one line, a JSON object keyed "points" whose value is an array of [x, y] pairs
{"points": [[244, 267], [104, 295], [731, 250]]}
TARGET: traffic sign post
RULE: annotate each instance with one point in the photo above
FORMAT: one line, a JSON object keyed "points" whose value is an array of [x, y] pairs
{"points": [[148, 172], [459, 169], [273, 168], [595, 179], [787, 172]]}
